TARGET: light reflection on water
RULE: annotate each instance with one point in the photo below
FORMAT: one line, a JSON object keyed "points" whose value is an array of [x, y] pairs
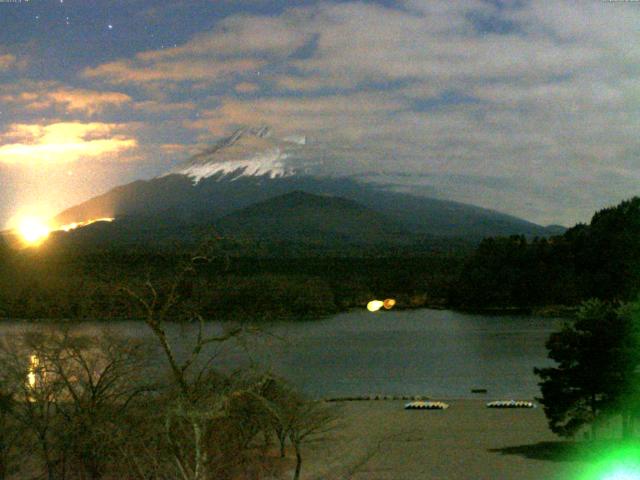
{"points": [[418, 352]]}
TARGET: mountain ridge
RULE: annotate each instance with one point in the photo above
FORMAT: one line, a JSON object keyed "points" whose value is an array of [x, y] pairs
{"points": [[236, 172], [304, 217]]}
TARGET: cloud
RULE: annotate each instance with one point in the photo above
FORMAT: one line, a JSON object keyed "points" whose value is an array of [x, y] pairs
{"points": [[311, 83], [46, 95], [241, 35], [176, 148], [339, 116], [7, 61], [61, 143], [173, 70], [246, 87], [461, 90], [87, 101], [237, 45], [164, 107]]}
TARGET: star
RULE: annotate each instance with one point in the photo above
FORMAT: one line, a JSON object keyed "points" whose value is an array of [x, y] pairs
{"points": [[110, 27]]}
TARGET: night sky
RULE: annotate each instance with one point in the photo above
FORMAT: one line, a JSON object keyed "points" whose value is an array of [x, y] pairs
{"points": [[530, 108]]}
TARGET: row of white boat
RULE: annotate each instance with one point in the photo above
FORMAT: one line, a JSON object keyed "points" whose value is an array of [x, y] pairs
{"points": [[428, 405]]}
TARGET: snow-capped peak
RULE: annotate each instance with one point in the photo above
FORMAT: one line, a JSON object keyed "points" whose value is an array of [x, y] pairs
{"points": [[249, 151]]}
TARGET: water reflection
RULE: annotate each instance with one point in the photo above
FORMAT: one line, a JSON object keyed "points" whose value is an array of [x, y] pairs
{"points": [[34, 362]]}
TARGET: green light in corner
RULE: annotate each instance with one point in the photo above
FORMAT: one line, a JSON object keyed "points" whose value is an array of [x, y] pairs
{"points": [[623, 474], [621, 463]]}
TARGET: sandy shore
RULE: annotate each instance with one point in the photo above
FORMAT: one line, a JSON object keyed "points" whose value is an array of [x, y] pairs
{"points": [[379, 440]]}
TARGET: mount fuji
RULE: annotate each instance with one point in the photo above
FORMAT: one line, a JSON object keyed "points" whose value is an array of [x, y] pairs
{"points": [[256, 170]]}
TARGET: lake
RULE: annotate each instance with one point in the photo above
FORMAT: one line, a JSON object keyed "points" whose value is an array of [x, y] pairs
{"points": [[437, 353]]}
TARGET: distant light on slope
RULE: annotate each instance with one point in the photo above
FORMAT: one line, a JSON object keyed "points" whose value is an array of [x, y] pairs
{"points": [[73, 226], [374, 305]]}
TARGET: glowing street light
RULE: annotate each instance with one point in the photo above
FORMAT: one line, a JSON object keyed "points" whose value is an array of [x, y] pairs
{"points": [[374, 305]]}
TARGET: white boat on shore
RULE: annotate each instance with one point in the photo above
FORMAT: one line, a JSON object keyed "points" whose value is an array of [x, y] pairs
{"points": [[511, 404]]}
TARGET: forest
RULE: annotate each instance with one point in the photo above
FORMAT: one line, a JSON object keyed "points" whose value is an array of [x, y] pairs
{"points": [[233, 279], [599, 260]]}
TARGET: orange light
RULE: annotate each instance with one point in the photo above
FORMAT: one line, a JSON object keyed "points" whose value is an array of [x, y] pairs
{"points": [[33, 230], [389, 303], [74, 225]]}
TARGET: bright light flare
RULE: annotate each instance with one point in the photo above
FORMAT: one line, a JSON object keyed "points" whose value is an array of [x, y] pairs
{"points": [[374, 305], [612, 462], [33, 230], [622, 475]]}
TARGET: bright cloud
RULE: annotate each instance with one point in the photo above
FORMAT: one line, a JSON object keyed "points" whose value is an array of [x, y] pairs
{"points": [[88, 101], [179, 70], [50, 95], [61, 143], [467, 97]]}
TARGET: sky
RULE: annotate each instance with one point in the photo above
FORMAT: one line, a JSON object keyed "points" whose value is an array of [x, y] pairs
{"points": [[528, 107]]}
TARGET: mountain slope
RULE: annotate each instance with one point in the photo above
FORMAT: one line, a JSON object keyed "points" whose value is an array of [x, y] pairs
{"points": [[303, 217], [248, 151], [253, 165]]}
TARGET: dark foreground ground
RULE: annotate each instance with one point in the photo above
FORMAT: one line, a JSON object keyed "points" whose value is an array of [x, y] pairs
{"points": [[379, 440]]}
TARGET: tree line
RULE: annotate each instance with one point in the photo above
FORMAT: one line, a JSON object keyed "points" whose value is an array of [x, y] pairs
{"points": [[599, 260], [46, 284], [276, 281]]}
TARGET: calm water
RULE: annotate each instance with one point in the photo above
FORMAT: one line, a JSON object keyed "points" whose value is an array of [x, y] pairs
{"points": [[418, 352]]}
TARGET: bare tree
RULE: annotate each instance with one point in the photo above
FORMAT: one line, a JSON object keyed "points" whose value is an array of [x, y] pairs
{"points": [[309, 421], [34, 398], [9, 434], [197, 407], [208, 426], [71, 394], [295, 418]]}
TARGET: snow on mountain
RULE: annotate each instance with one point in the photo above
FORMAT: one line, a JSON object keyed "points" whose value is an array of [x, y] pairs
{"points": [[247, 152]]}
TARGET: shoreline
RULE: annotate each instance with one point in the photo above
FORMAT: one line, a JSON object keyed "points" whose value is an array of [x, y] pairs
{"points": [[549, 311]]}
